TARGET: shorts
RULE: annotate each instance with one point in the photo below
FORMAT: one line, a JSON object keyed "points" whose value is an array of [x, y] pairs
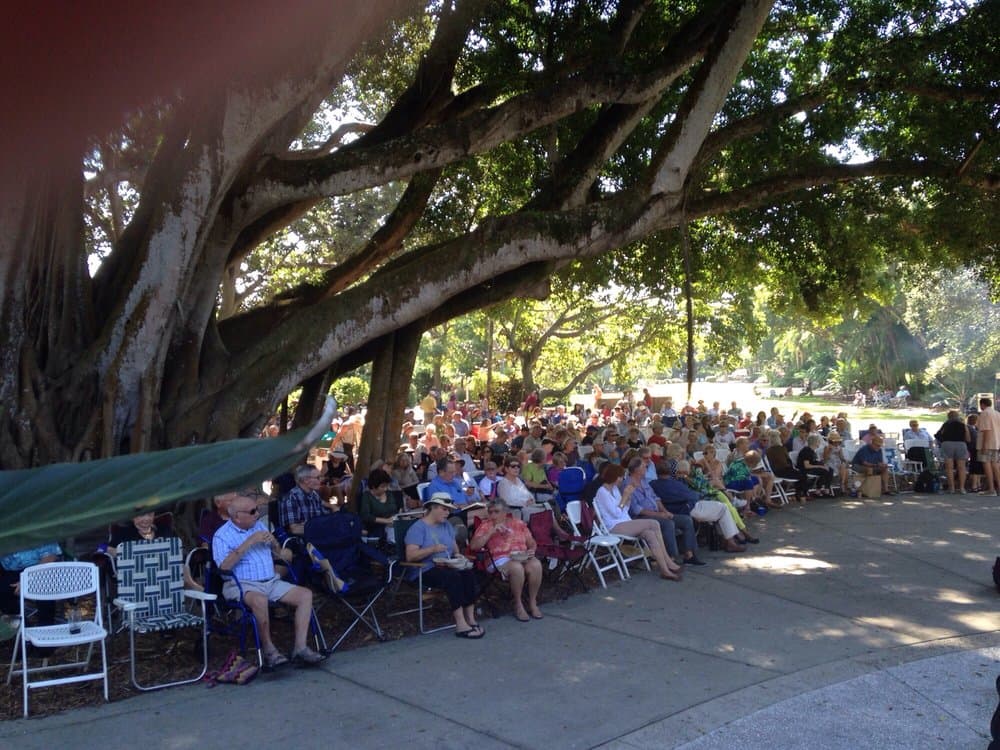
{"points": [[954, 450], [743, 484], [988, 456], [273, 589]]}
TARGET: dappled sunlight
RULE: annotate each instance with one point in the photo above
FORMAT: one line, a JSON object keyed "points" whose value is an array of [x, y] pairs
{"points": [[911, 628], [789, 550], [974, 534], [975, 556], [953, 596], [795, 565], [898, 541], [982, 621]]}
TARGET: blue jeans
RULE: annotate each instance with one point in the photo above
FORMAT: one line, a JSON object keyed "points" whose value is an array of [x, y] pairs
{"points": [[685, 525]]}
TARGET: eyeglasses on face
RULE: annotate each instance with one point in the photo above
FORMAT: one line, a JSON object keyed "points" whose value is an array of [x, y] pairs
{"points": [[513, 466], [251, 512]]}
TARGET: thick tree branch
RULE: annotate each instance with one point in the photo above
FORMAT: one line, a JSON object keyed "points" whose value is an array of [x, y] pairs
{"points": [[431, 86], [283, 181], [705, 97]]}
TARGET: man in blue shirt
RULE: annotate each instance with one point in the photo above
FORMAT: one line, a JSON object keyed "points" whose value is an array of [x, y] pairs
{"points": [[244, 546], [448, 482], [869, 460], [645, 504]]}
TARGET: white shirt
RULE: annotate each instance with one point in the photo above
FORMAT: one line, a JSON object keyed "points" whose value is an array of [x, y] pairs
{"points": [[608, 502], [516, 495]]}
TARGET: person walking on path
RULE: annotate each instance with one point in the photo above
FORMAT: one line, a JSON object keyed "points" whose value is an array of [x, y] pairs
{"points": [[988, 445]]}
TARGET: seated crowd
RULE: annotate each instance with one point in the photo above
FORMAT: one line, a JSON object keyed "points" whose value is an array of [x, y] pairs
{"points": [[476, 476]]}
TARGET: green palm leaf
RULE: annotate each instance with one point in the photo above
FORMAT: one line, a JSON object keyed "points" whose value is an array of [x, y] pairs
{"points": [[60, 500]]}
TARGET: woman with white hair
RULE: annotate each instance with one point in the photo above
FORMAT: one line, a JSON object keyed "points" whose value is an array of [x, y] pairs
{"points": [[809, 462]]}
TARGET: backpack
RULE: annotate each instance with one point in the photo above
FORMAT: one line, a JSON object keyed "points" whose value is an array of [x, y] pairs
{"points": [[927, 482], [921, 455]]}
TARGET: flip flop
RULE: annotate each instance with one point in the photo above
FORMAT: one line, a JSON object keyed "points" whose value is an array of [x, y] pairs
{"points": [[538, 617], [471, 633], [522, 619]]}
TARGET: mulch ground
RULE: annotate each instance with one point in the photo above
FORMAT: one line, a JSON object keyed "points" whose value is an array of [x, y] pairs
{"points": [[164, 658]]}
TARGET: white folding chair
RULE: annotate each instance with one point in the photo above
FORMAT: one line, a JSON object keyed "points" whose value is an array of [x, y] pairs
{"points": [[60, 581], [778, 491], [639, 543], [601, 549]]}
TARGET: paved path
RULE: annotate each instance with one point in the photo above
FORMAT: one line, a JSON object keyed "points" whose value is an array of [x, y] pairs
{"points": [[854, 624]]}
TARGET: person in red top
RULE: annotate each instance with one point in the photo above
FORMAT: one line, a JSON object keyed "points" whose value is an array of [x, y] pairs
{"points": [[508, 539]]}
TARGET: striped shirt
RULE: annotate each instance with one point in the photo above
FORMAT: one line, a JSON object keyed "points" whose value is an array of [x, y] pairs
{"points": [[256, 565]]}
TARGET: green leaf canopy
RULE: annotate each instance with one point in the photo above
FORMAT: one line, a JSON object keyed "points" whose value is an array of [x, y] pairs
{"points": [[60, 500]]}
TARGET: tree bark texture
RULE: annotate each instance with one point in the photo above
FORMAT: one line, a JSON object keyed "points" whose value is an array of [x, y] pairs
{"points": [[149, 351]]}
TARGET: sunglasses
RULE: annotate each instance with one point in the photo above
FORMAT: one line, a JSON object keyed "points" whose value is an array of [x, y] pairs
{"points": [[252, 512], [513, 466]]}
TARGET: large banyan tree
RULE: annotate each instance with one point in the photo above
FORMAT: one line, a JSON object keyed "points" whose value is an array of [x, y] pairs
{"points": [[602, 122]]}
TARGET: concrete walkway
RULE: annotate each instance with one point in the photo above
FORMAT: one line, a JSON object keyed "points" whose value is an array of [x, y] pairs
{"points": [[854, 624]]}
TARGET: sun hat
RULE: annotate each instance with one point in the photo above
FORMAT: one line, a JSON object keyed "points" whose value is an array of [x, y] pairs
{"points": [[441, 498]]}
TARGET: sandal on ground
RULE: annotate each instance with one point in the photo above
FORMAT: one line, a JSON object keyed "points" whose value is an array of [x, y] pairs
{"points": [[518, 617], [306, 657], [539, 616], [471, 633], [275, 659]]}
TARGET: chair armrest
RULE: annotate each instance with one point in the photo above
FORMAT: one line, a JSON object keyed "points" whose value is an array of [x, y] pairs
{"points": [[192, 594], [126, 605]]}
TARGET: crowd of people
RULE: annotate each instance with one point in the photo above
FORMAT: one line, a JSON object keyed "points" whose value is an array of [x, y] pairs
{"points": [[652, 475]]}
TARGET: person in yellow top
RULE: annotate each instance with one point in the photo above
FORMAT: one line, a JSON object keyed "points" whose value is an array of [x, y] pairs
{"points": [[429, 406]]}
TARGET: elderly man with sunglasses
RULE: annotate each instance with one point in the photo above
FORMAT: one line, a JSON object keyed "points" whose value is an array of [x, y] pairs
{"points": [[244, 546]]}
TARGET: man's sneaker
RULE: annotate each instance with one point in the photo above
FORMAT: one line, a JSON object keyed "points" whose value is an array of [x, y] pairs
{"points": [[307, 657]]}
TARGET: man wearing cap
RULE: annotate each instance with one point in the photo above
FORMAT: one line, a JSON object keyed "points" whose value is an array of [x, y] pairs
{"points": [[433, 538], [869, 460]]}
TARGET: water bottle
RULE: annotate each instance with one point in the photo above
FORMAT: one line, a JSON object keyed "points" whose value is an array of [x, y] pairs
{"points": [[74, 617]]}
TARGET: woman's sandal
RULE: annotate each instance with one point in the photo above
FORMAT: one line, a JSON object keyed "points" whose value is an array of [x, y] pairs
{"points": [[471, 633]]}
